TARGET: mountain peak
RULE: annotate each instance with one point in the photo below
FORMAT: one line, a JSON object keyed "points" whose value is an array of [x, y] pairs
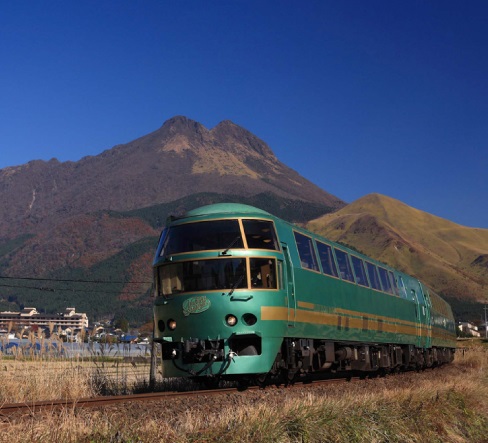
{"points": [[182, 124]]}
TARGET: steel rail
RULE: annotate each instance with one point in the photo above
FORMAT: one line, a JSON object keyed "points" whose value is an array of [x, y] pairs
{"points": [[31, 407], [34, 406]]}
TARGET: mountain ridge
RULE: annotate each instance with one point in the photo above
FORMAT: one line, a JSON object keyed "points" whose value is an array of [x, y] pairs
{"points": [[135, 174], [98, 219], [448, 256]]}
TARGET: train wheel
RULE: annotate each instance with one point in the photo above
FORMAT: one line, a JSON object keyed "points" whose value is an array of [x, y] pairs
{"points": [[243, 383], [262, 380], [290, 377]]}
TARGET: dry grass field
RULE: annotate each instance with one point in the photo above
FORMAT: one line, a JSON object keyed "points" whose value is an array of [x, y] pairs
{"points": [[448, 404], [46, 375]]}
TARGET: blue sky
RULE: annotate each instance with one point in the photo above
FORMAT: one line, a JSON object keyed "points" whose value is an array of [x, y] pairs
{"points": [[357, 96]]}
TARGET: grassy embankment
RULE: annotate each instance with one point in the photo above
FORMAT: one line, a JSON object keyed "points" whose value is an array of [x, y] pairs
{"points": [[449, 404]]}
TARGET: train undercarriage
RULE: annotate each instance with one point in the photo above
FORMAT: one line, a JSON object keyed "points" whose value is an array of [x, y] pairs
{"points": [[299, 359], [311, 355]]}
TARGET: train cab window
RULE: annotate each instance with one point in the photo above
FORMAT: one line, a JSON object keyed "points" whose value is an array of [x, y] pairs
{"points": [[202, 275], [260, 234], [215, 234], [358, 266], [344, 265], [327, 259], [385, 280], [306, 252], [263, 273], [374, 278]]}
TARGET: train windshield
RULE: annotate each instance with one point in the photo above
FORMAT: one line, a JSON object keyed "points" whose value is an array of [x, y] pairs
{"points": [[216, 274], [219, 235]]}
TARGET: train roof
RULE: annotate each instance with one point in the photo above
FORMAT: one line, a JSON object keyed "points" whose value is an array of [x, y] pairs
{"points": [[223, 208]]}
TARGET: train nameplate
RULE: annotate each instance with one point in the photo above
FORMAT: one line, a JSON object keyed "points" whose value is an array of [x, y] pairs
{"points": [[195, 305]]}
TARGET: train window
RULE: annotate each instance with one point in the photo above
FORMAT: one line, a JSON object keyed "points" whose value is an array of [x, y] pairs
{"points": [[217, 234], [344, 265], [202, 275], [280, 275], [306, 252], [374, 278], [263, 273], [403, 292], [327, 259], [394, 283], [260, 234], [358, 266], [385, 280]]}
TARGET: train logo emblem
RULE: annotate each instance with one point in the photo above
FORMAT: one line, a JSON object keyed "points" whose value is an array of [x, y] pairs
{"points": [[195, 305]]}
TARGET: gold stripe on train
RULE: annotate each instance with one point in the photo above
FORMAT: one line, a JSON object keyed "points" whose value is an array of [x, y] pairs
{"points": [[366, 322]]}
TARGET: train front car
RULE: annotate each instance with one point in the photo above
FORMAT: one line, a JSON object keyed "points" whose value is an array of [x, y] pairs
{"points": [[213, 270]]}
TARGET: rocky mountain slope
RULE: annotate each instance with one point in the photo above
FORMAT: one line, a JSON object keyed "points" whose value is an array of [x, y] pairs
{"points": [[451, 258], [98, 219], [179, 159]]}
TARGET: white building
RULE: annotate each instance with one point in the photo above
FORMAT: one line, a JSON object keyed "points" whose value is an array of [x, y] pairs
{"points": [[469, 329], [30, 317]]}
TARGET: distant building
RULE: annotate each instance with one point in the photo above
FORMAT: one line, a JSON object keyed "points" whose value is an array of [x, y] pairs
{"points": [[483, 329], [469, 329], [30, 317]]}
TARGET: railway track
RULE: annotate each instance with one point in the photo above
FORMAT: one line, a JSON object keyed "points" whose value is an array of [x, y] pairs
{"points": [[10, 409], [33, 407]]}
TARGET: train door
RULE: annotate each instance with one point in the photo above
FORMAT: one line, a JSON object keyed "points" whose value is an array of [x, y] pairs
{"points": [[418, 322], [289, 282], [425, 316]]}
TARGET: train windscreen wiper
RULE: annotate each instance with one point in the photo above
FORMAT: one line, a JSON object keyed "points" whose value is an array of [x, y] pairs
{"points": [[236, 284], [224, 252]]}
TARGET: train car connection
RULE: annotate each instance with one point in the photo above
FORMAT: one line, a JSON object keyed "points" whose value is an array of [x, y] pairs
{"points": [[241, 293]]}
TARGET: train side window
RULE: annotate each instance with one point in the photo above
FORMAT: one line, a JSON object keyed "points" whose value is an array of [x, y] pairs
{"points": [[374, 278], [403, 292], [327, 259], [385, 280], [358, 266], [281, 284], [344, 265], [306, 252], [394, 283]]}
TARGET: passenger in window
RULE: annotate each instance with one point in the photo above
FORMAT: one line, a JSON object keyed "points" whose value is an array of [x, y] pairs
{"points": [[257, 280]]}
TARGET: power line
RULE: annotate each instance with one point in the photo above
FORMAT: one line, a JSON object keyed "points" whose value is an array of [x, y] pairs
{"points": [[75, 281], [89, 291]]}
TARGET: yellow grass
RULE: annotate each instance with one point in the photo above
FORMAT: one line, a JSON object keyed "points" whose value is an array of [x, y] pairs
{"points": [[448, 404]]}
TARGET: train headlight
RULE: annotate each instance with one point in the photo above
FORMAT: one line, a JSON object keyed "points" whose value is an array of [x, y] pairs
{"points": [[249, 319], [231, 320], [171, 324]]}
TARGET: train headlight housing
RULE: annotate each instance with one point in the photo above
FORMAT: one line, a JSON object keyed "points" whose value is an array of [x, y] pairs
{"points": [[231, 320], [249, 319], [171, 324]]}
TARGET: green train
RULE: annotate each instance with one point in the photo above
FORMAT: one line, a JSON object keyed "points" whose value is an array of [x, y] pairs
{"points": [[242, 294]]}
